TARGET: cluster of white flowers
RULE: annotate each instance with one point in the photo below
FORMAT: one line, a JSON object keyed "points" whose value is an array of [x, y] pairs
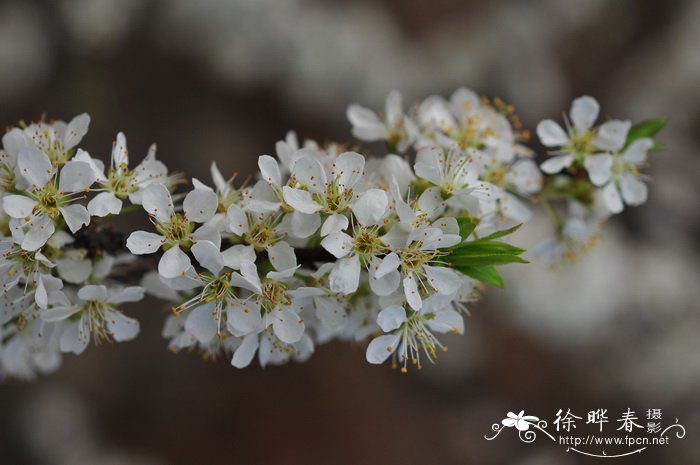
{"points": [[325, 244]]}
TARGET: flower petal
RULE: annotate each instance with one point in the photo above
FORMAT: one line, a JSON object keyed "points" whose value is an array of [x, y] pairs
{"points": [[282, 256], [599, 167], [156, 200], [237, 220], [270, 170], [142, 242], [103, 204], [345, 275], [584, 112], [201, 322], [557, 163], [339, 244], [391, 318], [121, 326], [612, 135], [634, 191], [370, 207], [76, 216], [76, 176], [245, 352], [612, 199], [551, 134], [381, 347], [300, 200], [173, 263], [200, 205], [208, 255]]}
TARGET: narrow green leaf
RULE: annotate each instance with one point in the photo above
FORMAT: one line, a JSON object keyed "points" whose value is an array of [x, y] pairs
{"points": [[485, 274], [483, 260], [486, 248], [648, 128], [502, 233]]}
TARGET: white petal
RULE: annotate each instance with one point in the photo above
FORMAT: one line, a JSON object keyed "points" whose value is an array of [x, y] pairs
{"points": [[59, 313], [18, 206], [300, 200], [75, 337], [237, 220], [410, 288], [331, 313], [366, 125], [248, 279], [76, 216], [76, 176], [551, 134], [636, 153], [96, 165], [201, 323], [244, 318], [207, 233], [599, 168], [381, 347], [173, 263], [208, 255], [304, 225], [35, 166], [121, 326], [385, 285], [216, 176], [103, 204], [391, 318], [93, 292], [557, 163], [128, 294], [612, 198], [447, 321], [75, 271], [345, 276], [282, 256], [233, 256], [389, 263], [584, 112], [120, 154], [41, 228], [634, 191], [287, 325], [348, 169], [444, 280], [612, 135], [245, 352], [75, 131], [428, 164], [156, 200], [142, 242], [270, 170], [309, 172], [393, 108], [371, 207], [334, 223], [200, 205], [339, 244]]}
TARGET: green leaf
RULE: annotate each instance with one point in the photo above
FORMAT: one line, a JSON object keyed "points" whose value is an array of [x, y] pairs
{"points": [[486, 248], [483, 260], [466, 226], [648, 128], [485, 274], [497, 234]]}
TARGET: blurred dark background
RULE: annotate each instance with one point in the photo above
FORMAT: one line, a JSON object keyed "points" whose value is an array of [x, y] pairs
{"points": [[223, 80]]}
